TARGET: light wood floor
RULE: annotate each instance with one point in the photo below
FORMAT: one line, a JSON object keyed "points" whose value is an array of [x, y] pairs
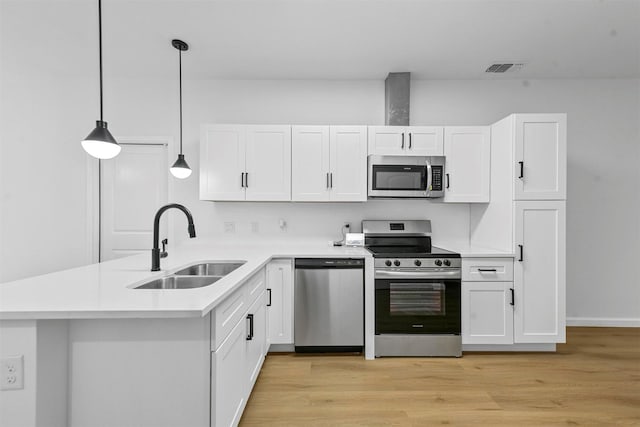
{"points": [[592, 380]]}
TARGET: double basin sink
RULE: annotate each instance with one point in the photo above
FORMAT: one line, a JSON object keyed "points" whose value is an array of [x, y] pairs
{"points": [[194, 276]]}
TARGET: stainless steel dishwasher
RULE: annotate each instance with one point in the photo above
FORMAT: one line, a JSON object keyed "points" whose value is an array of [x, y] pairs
{"points": [[329, 305]]}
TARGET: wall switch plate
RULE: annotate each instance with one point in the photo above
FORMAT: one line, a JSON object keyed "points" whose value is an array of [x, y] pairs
{"points": [[229, 227], [12, 373]]}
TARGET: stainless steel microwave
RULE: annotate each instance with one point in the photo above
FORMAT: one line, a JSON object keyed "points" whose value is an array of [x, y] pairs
{"points": [[406, 176]]}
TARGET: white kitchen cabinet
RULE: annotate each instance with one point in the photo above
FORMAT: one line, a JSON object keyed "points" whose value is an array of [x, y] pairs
{"points": [[268, 171], [539, 271], [245, 162], [487, 312], [329, 163], [280, 301], [222, 162], [540, 166], [348, 153], [468, 161], [228, 369], [310, 163], [405, 140], [255, 341]]}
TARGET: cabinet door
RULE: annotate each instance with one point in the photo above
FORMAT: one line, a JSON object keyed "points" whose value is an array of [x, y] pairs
{"points": [[425, 141], [540, 167], [387, 140], [539, 271], [255, 340], [310, 163], [227, 383], [268, 163], [222, 162], [468, 160], [280, 301], [487, 313], [348, 153]]}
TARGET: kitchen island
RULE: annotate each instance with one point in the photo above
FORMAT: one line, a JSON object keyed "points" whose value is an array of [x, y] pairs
{"points": [[99, 352]]}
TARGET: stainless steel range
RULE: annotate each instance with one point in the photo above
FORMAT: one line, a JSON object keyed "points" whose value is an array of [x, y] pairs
{"points": [[418, 291]]}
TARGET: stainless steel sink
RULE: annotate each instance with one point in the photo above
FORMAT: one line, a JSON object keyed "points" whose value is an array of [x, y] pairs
{"points": [[210, 269], [179, 282]]}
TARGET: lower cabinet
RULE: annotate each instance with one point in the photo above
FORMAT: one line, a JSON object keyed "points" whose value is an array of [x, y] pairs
{"points": [[488, 300], [236, 363], [280, 301], [487, 310]]}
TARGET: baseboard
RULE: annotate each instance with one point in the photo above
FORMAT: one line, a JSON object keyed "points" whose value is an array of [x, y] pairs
{"points": [[525, 347], [603, 321]]}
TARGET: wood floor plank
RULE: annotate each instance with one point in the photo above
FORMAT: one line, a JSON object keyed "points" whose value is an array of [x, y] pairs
{"points": [[593, 380]]}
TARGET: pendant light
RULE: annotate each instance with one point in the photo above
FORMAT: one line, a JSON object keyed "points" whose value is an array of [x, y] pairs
{"points": [[180, 168], [100, 143]]}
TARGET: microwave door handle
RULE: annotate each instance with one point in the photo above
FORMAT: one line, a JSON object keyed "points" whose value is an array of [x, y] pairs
{"points": [[429, 177]]}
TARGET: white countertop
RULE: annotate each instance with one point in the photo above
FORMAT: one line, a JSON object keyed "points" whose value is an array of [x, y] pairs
{"points": [[473, 251], [105, 290]]}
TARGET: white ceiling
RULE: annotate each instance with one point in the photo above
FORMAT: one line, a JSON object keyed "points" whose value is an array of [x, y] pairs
{"points": [[332, 39]]}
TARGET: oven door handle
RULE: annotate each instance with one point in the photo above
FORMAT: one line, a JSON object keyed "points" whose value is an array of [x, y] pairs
{"points": [[442, 274], [429, 177]]}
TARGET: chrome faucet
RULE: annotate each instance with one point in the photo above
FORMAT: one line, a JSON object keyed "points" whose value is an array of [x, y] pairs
{"points": [[155, 252]]}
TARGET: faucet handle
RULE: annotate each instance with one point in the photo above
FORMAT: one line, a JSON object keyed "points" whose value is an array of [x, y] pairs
{"points": [[164, 252]]}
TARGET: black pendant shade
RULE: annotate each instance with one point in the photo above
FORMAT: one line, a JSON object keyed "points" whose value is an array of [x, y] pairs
{"points": [[180, 168], [100, 143]]}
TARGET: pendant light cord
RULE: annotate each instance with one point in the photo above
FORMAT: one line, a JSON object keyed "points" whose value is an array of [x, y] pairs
{"points": [[180, 66], [100, 49]]}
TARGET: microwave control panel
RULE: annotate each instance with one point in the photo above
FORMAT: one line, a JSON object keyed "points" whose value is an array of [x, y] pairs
{"points": [[436, 178]]}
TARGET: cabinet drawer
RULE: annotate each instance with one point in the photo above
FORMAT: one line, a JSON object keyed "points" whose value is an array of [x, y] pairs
{"points": [[227, 315], [487, 269], [255, 286], [233, 308]]}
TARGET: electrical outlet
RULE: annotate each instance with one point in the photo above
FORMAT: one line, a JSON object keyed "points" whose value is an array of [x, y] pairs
{"points": [[230, 227], [255, 227], [12, 373], [282, 224]]}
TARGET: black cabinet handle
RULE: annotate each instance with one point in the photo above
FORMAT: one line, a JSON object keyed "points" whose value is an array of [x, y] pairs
{"points": [[409, 140], [521, 170], [447, 179], [513, 301], [331, 180], [246, 179], [493, 270], [402, 145], [521, 253], [269, 303], [242, 180], [328, 180], [250, 318]]}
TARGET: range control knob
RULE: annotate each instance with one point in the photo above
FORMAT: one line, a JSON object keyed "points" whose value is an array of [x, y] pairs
{"points": [[447, 262], [438, 262], [387, 263], [418, 263], [396, 263]]}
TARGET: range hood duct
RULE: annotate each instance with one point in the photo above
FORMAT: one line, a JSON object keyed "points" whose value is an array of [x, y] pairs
{"points": [[396, 99]]}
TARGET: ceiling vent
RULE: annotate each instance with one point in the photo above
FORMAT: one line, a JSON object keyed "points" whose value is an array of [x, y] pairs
{"points": [[506, 67]]}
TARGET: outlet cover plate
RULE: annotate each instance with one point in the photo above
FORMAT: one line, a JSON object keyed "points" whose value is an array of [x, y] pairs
{"points": [[12, 373]]}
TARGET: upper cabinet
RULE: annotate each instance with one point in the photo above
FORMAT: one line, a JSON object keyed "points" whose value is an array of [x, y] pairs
{"points": [[540, 166], [406, 140], [329, 163], [468, 161], [245, 162]]}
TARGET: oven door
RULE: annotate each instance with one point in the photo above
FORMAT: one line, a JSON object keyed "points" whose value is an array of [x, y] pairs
{"points": [[418, 306]]}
